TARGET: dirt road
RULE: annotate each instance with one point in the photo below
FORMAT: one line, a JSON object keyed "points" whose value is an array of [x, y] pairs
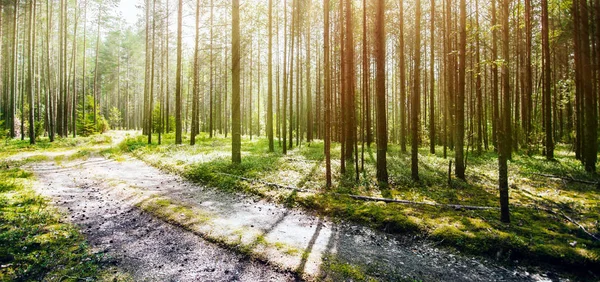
{"points": [[102, 196]]}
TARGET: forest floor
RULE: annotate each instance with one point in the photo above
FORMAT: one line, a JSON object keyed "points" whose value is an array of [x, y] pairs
{"points": [[155, 224]]}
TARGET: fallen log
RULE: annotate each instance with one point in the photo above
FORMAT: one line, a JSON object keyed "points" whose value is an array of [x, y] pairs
{"points": [[547, 209], [270, 184], [572, 221], [388, 200], [569, 178]]}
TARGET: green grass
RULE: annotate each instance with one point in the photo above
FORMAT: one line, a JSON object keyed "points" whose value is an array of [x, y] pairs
{"points": [[534, 234], [34, 243], [14, 146]]}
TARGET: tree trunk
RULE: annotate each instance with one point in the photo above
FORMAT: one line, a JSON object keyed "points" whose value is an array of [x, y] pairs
{"points": [[30, 67], [96, 95], [382, 138], [403, 110], [195, 77], [327, 147], [590, 123], [414, 118], [178, 101], [504, 138], [236, 156], [270, 83], [548, 141], [459, 160], [432, 82]]}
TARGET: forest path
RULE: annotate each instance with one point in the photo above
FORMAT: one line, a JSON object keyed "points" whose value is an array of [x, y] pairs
{"points": [[158, 226], [123, 208], [143, 246]]}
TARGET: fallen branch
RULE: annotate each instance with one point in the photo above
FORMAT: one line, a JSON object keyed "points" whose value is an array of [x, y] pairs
{"points": [[270, 184], [357, 197], [569, 178], [580, 226], [571, 220], [550, 210], [387, 200]]}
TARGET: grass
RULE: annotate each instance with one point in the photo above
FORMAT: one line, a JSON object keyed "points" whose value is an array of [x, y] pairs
{"points": [[34, 243], [15, 146], [534, 234]]}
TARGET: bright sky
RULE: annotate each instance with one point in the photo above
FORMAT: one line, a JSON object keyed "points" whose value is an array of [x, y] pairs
{"points": [[129, 11]]}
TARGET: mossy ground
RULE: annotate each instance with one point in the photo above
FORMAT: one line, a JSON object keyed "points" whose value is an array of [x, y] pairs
{"points": [[34, 243], [534, 234]]}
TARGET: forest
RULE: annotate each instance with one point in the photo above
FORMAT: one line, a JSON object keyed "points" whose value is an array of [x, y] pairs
{"points": [[299, 140]]}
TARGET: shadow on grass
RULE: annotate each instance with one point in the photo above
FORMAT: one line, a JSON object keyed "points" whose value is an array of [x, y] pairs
{"points": [[534, 234]]}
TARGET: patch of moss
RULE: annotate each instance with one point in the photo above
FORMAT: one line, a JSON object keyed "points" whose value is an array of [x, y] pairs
{"points": [[34, 243]]}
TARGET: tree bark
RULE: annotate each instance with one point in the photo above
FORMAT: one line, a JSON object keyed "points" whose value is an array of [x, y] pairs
{"points": [[415, 105], [236, 156], [504, 138], [270, 83], [327, 146], [548, 141], [382, 138], [178, 101], [459, 160]]}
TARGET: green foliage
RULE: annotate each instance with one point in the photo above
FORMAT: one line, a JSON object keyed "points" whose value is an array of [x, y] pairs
{"points": [[40, 129], [34, 244], [3, 129], [114, 117], [86, 126], [171, 124], [156, 119]]}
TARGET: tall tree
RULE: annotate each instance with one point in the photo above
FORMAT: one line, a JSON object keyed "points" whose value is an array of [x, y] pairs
{"points": [[495, 106], [327, 82], [83, 87], [504, 140], [285, 77], [270, 83], [74, 62], [432, 81], [548, 141], [236, 128], [382, 138], [13, 76], [152, 65], [30, 68], [211, 94], [50, 113], [350, 107], [96, 70], [460, 95], [195, 77], [415, 98], [403, 109], [366, 86], [366, 119], [178, 82], [309, 116], [478, 86], [528, 80], [590, 122]]}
